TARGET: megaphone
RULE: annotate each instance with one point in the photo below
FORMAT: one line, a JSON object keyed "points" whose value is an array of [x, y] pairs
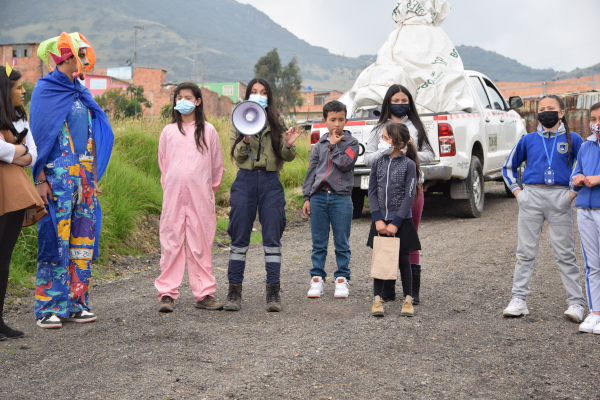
{"points": [[249, 118]]}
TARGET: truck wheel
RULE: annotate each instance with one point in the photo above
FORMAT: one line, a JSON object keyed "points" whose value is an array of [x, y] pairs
{"points": [[358, 202], [473, 206], [519, 179]]}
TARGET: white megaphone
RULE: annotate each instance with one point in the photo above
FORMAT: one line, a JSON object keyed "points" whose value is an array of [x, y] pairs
{"points": [[249, 118]]}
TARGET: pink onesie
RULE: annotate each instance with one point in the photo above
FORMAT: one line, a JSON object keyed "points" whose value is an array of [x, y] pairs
{"points": [[190, 179]]}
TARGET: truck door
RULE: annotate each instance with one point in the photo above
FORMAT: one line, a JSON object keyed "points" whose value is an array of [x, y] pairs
{"points": [[508, 123], [491, 121]]}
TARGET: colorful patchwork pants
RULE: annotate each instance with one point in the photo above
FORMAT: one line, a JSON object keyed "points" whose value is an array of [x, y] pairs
{"points": [[66, 240]]}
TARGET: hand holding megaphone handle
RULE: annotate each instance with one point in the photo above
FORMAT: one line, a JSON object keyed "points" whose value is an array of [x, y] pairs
{"points": [[249, 152]]}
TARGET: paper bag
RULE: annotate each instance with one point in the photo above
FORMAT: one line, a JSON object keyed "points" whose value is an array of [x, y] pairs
{"points": [[386, 257]]}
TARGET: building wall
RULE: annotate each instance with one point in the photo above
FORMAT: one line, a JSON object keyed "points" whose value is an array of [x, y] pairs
{"points": [[109, 83], [238, 89], [31, 67], [530, 89], [311, 111]]}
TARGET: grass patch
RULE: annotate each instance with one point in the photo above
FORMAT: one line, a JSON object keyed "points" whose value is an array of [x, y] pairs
{"points": [[132, 191]]}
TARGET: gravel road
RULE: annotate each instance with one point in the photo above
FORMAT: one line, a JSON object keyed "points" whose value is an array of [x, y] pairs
{"points": [[457, 346]]}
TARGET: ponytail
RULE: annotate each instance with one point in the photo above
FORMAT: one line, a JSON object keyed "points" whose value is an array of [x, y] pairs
{"points": [[411, 152], [399, 133]]}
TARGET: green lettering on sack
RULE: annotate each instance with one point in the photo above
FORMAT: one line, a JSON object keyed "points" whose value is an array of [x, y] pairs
{"points": [[454, 53]]}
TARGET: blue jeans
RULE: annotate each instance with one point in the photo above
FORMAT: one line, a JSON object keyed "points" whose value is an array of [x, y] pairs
{"points": [[327, 207]]}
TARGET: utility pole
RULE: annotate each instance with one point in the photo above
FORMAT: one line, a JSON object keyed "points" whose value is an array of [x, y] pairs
{"points": [[195, 55], [135, 47]]}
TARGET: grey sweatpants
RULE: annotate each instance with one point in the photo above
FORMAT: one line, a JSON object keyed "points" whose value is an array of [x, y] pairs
{"points": [[588, 222], [551, 203]]}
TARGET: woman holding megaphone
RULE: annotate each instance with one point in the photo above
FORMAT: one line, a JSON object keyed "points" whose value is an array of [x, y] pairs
{"points": [[257, 186]]}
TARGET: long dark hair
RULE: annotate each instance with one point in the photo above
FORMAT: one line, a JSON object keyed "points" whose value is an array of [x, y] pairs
{"points": [[398, 132], [561, 105], [198, 114], [272, 118], [386, 114], [8, 112]]}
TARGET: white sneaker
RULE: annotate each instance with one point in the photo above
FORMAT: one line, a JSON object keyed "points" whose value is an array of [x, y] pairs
{"points": [[316, 287], [596, 329], [81, 317], [575, 312], [49, 321], [590, 323], [516, 308], [341, 288]]}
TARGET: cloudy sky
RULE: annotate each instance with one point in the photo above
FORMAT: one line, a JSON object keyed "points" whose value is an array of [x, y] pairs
{"points": [[559, 34]]}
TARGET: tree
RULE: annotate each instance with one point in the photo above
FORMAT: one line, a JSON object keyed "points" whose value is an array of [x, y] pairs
{"points": [[285, 81], [124, 104], [29, 89]]}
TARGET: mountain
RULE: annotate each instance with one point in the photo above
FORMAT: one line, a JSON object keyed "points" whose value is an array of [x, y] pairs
{"points": [[500, 68], [497, 67], [227, 35], [578, 73]]}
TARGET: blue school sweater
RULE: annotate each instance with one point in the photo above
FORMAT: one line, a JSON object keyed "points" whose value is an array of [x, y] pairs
{"points": [[531, 149], [588, 164]]}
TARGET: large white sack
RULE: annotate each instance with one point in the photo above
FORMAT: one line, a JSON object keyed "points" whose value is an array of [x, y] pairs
{"points": [[428, 57], [373, 82]]}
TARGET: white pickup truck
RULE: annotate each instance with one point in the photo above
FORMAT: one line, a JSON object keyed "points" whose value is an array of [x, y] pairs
{"points": [[470, 148]]}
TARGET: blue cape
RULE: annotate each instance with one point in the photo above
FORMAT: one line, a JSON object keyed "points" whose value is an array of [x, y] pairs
{"points": [[51, 101]]}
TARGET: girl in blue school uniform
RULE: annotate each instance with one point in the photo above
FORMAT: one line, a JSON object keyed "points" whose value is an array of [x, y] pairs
{"points": [[550, 152]]}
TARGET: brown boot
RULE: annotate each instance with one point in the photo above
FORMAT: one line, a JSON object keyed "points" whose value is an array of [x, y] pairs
{"points": [[407, 307], [166, 304], [234, 298], [377, 309], [209, 303], [273, 298]]}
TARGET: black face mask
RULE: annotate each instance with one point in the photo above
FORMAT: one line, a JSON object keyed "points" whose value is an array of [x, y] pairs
{"points": [[548, 119], [400, 110]]}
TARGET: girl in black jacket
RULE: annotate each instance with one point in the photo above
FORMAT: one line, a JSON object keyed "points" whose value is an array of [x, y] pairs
{"points": [[392, 190]]}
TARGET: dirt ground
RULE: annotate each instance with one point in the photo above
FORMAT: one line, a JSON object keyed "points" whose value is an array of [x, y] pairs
{"points": [[458, 346]]}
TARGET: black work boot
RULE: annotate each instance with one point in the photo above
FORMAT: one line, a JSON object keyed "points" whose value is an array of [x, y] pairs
{"points": [[416, 282], [273, 298], [234, 297]]}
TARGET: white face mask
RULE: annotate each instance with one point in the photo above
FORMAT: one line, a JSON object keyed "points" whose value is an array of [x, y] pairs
{"points": [[385, 148]]}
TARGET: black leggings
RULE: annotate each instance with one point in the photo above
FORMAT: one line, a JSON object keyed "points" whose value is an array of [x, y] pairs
{"points": [[10, 227], [387, 288]]}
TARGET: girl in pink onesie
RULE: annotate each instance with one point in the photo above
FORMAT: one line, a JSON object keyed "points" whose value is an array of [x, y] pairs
{"points": [[191, 163]]}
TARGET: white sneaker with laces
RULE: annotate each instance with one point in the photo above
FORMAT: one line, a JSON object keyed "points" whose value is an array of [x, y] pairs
{"points": [[575, 312], [590, 323], [341, 288], [516, 308], [316, 287]]}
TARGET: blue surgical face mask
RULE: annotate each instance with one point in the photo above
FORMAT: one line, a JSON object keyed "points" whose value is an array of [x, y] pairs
{"points": [[185, 107], [262, 100], [385, 148], [400, 110]]}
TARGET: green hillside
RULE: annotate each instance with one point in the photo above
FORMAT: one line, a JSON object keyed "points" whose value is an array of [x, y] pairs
{"points": [[227, 35], [579, 72]]}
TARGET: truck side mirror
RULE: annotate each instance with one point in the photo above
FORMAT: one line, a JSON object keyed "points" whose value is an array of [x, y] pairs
{"points": [[515, 102]]}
